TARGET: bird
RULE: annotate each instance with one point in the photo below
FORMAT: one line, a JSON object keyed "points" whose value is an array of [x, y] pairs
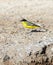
{"points": [[29, 25]]}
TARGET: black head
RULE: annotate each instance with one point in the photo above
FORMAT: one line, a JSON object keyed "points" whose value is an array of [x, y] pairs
{"points": [[23, 20]]}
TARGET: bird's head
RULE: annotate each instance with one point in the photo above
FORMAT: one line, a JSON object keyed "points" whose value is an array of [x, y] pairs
{"points": [[23, 20]]}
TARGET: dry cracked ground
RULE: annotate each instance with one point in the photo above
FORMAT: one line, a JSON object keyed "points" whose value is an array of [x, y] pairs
{"points": [[20, 46]]}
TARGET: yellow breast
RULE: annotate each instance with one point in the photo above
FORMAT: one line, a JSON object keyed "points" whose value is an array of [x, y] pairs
{"points": [[28, 26]]}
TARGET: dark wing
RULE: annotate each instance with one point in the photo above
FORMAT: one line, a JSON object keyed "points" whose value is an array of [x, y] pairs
{"points": [[32, 24]]}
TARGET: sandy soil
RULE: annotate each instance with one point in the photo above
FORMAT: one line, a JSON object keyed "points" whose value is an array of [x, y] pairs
{"points": [[19, 46]]}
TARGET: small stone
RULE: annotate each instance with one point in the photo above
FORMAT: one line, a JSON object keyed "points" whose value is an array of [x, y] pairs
{"points": [[40, 41], [46, 59], [43, 50], [30, 53], [37, 53], [6, 58]]}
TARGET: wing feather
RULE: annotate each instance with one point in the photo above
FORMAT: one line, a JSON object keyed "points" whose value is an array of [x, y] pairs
{"points": [[31, 24]]}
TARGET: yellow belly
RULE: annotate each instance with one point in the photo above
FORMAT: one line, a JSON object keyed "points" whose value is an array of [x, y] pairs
{"points": [[28, 26]]}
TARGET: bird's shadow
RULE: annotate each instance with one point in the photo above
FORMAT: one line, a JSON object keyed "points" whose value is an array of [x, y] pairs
{"points": [[37, 31]]}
